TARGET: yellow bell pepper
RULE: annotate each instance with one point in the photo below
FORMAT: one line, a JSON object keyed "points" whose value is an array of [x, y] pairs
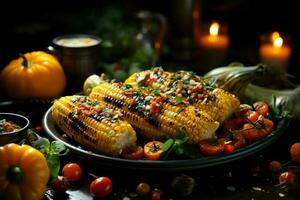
{"points": [[24, 173]]}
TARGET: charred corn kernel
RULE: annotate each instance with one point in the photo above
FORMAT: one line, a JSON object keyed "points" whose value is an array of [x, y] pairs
{"points": [[163, 123], [93, 125], [222, 105]]}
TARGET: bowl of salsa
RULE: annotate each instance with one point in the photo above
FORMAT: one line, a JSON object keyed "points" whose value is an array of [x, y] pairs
{"points": [[13, 127]]}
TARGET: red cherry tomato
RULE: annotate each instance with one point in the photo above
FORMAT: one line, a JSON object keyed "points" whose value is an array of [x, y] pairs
{"points": [[239, 141], [210, 148], [156, 196], [275, 166], [133, 153], [258, 131], [60, 184], [72, 171], [143, 189], [153, 150], [228, 148], [101, 187], [261, 107], [39, 129], [295, 152], [287, 177], [252, 116], [233, 124]]}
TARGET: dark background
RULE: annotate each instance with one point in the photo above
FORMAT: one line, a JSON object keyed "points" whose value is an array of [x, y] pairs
{"points": [[31, 25]]}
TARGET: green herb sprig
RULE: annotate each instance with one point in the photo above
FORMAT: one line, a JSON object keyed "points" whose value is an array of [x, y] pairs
{"points": [[52, 151]]}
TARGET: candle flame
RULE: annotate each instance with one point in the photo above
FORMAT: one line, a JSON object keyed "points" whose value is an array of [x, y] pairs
{"points": [[274, 36], [278, 42], [276, 39], [214, 29]]}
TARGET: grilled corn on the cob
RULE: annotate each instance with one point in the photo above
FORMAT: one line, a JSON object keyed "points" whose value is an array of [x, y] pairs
{"points": [[155, 114], [93, 125], [191, 89]]}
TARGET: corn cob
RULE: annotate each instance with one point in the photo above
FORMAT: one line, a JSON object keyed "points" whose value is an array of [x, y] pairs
{"points": [[91, 124], [154, 115], [192, 89], [154, 78]]}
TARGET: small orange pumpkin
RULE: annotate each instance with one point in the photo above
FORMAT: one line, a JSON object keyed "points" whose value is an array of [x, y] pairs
{"points": [[34, 75]]}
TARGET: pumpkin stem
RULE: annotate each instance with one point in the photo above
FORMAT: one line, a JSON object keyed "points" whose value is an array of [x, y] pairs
{"points": [[15, 174], [26, 63]]}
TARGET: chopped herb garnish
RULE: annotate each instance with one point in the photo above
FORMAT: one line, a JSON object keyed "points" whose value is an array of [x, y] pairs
{"points": [[155, 92], [178, 100]]}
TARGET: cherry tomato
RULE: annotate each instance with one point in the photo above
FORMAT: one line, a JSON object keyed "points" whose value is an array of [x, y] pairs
{"points": [[210, 148], [233, 124], [143, 189], [258, 131], [39, 129], [133, 153], [287, 177], [101, 187], [156, 196], [239, 141], [153, 150], [228, 148], [261, 107], [60, 184], [275, 166], [72, 171], [252, 116], [295, 152]]}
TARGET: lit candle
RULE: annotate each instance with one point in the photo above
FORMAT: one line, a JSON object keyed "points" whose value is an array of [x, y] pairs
{"points": [[214, 40], [214, 44], [275, 53]]}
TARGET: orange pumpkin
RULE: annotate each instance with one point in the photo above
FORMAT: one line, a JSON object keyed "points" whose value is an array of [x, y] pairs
{"points": [[34, 75]]}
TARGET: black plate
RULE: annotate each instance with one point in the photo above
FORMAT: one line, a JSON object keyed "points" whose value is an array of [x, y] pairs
{"points": [[189, 164]]}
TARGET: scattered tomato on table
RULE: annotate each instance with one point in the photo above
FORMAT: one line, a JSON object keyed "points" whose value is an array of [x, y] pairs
{"points": [[295, 152], [101, 187], [60, 184], [72, 171], [143, 189], [287, 177]]}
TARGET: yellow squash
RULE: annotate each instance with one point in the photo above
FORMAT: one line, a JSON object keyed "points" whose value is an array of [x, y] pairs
{"points": [[33, 75], [23, 173]]}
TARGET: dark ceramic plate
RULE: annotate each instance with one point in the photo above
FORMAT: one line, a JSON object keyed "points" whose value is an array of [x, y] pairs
{"points": [[188, 164]]}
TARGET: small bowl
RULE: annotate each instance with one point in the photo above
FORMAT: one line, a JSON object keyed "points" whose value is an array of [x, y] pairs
{"points": [[15, 136]]}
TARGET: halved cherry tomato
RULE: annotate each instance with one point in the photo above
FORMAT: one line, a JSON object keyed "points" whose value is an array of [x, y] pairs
{"points": [[133, 153], [72, 171], [295, 152], [287, 177], [259, 130], [101, 187], [153, 150], [261, 107], [211, 147]]}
